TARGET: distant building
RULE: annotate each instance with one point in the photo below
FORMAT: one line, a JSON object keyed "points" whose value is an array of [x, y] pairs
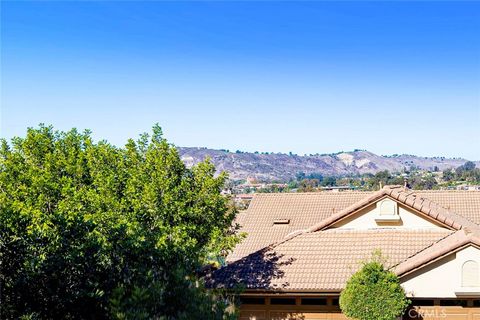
{"points": [[338, 188], [244, 196], [468, 187]]}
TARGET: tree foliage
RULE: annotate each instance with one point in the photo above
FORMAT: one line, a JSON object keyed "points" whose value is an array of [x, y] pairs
{"points": [[89, 230], [373, 293]]}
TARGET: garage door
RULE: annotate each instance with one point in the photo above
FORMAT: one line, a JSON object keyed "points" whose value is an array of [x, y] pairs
{"points": [[326, 308], [290, 315], [290, 308], [431, 313], [436, 309]]}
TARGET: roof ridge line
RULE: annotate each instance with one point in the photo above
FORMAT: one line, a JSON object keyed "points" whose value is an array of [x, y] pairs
{"points": [[459, 238], [446, 191], [329, 220], [396, 192], [457, 215], [375, 196], [425, 248], [312, 193], [407, 197], [288, 237]]}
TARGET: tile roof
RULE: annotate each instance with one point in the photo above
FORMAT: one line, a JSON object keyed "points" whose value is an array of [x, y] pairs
{"points": [[311, 209], [321, 261], [443, 247], [301, 255], [303, 210], [464, 203], [404, 196]]}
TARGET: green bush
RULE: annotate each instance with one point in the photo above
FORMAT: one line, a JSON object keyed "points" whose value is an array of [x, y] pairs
{"points": [[373, 293]]}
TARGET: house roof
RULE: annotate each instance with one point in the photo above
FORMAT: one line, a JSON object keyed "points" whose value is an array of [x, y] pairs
{"points": [[314, 210], [323, 260], [404, 196], [445, 246], [302, 209], [300, 255], [462, 202]]}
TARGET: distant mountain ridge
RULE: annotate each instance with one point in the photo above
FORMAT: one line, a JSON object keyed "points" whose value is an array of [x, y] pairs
{"points": [[282, 167]]}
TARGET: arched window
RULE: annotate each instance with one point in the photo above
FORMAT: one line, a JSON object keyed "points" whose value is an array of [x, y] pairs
{"points": [[470, 274]]}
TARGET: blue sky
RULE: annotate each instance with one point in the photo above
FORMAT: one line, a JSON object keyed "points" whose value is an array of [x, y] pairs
{"points": [[306, 77]]}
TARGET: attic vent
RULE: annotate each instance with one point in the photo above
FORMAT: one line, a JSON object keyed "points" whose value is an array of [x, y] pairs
{"points": [[387, 211], [470, 285], [470, 274], [387, 208], [281, 221]]}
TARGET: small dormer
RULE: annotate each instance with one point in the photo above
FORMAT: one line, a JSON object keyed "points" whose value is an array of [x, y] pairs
{"points": [[387, 211]]}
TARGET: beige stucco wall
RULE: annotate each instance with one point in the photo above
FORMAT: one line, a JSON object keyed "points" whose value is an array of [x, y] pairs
{"points": [[365, 219], [442, 278]]}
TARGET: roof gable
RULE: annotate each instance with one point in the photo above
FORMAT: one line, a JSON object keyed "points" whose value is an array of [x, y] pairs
{"points": [[387, 213], [451, 244], [290, 256], [302, 209], [423, 206], [461, 264]]}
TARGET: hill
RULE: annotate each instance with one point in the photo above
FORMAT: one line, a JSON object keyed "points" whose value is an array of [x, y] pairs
{"points": [[283, 167]]}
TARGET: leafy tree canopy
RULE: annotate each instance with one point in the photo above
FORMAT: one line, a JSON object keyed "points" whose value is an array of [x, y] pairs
{"points": [[373, 293], [89, 230], [467, 166]]}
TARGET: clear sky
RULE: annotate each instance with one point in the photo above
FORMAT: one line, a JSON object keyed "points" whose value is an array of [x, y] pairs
{"points": [[306, 77]]}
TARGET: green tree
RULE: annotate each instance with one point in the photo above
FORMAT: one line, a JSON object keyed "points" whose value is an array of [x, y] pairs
{"points": [[448, 175], [308, 185], [467, 166], [89, 230], [373, 293], [329, 181]]}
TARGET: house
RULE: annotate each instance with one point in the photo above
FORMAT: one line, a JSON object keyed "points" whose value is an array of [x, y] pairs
{"points": [[301, 249]]}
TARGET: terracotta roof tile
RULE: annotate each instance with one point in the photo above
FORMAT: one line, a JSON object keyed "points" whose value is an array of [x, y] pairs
{"points": [[318, 209], [304, 252], [464, 203], [303, 210], [323, 260], [411, 199], [445, 246]]}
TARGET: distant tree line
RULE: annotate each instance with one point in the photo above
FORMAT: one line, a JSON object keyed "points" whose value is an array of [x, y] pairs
{"points": [[468, 172], [414, 178]]}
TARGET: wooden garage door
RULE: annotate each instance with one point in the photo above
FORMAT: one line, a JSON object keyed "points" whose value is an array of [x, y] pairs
{"points": [[290, 315], [442, 313], [291, 308], [296, 308], [425, 313], [436, 309]]}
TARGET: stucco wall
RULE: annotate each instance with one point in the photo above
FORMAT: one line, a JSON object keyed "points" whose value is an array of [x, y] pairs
{"points": [[442, 278], [366, 219]]}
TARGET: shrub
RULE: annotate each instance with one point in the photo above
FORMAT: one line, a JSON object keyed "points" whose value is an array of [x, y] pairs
{"points": [[373, 293]]}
